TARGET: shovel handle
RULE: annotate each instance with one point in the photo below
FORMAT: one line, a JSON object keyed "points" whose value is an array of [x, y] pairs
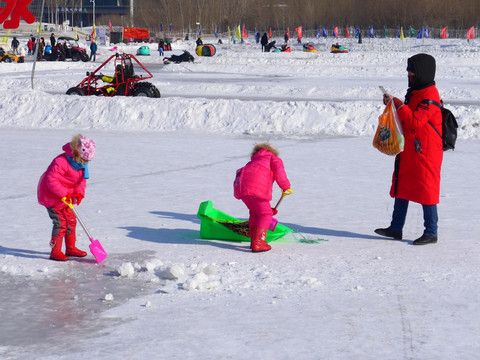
{"points": [[284, 193]]}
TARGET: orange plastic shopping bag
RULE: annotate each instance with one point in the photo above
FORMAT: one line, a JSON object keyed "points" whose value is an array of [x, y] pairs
{"points": [[389, 136]]}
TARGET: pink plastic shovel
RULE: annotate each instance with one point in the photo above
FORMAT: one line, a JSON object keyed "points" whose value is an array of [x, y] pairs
{"points": [[95, 247]]}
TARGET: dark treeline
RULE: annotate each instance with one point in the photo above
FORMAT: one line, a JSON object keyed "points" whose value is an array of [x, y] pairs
{"points": [[310, 14]]}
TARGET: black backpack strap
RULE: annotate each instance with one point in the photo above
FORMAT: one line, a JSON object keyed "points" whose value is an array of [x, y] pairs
{"points": [[436, 104]]}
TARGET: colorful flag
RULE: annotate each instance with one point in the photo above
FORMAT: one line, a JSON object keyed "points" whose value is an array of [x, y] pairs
{"points": [[216, 31], [299, 32], [420, 34], [347, 33], [245, 35], [228, 32], [199, 30], [384, 32], [110, 25], [94, 33], [161, 27], [76, 34], [288, 33], [171, 26], [324, 32], [470, 33], [335, 32], [357, 32], [318, 34], [370, 31], [401, 33], [443, 33], [270, 34], [412, 32], [238, 33], [5, 38], [425, 32]]}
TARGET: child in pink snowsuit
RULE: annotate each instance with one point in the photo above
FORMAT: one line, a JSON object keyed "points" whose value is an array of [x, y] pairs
{"points": [[253, 186], [66, 178]]}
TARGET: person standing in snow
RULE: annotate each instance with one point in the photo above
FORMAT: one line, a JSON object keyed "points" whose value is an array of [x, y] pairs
{"points": [[417, 169], [65, 178], [264, 41], [52, 40], [93, 50], [253, 185], [15, 44]]}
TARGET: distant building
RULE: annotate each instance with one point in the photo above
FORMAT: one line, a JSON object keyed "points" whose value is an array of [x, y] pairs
{"points": [[83, 16]]}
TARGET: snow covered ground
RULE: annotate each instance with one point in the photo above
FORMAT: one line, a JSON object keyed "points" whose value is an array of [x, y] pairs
{"points": [[163, 292]]}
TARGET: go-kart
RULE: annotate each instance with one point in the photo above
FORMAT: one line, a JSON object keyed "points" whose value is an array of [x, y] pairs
{"points": [[67, 48], [124, 82], [8, 57]]}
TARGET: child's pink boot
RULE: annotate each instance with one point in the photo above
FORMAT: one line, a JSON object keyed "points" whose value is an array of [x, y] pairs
{"points": [[259, 243], [56, 245], [70, 241]]}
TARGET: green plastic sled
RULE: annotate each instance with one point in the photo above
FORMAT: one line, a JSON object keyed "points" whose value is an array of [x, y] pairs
{"points": [[217, 225]]}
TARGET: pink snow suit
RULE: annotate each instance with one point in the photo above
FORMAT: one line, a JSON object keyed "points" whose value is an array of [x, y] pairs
{"points": [[256, 186], [59, 180]]}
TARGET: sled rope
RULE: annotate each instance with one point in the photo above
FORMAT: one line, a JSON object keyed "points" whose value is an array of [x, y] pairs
{"points": [[301, 238]]}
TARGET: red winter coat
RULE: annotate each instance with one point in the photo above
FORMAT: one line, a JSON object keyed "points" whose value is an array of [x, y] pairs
{"points": [[260, 173], [419, 172], [59, 180]]}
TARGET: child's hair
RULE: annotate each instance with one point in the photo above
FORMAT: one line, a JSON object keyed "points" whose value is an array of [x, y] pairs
{"points": [[265, 146], [74, 146]]}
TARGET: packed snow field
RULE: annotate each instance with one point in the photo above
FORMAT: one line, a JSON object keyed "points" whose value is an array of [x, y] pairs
{"points": [[331, 290]]}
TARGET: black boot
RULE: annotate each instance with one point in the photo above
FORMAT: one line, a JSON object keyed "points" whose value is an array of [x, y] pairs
{"points": [[425, 239], [389, 232]]}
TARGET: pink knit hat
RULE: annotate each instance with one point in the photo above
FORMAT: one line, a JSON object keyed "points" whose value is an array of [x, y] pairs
{"points": [[86, 147]]}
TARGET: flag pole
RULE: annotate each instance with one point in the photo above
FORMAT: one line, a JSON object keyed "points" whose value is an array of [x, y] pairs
{"points": [[38, 42]]}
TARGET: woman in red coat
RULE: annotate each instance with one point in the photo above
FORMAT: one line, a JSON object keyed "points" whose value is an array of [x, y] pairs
{"points": [[417, 169]]}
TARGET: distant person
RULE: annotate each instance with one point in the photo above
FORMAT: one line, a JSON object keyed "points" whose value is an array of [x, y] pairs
{"points": [[257, 37], [30, 44], [52, 40], [41, 49], [65, 178], [161, 47], [15, 44], [416, 176], [199, 41], [93, 50], [253, 185], [264, 41]]}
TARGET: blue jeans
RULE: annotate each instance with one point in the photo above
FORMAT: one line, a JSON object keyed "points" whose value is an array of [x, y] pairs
{"points": [[430, 217]]}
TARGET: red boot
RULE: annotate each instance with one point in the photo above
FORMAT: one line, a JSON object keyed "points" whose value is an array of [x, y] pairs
{"points": [[70, 241], [251, 234], [258, 242], [56, 245]]}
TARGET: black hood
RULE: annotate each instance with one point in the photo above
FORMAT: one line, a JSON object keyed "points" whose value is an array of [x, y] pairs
{"points": [[423, 66]]}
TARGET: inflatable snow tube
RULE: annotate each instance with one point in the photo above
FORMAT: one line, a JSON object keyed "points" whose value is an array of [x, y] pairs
{"points": [[206, 50], [338, 49], [143, 50]]}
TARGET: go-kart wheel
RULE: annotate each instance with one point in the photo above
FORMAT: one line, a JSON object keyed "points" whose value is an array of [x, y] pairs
{"points": [[8, 59], [76, 57], [76, 91], [154, 91], [84, 57], [142, 91]]}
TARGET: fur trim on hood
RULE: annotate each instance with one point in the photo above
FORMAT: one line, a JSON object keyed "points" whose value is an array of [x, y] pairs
{"points": [[265, 146]]}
